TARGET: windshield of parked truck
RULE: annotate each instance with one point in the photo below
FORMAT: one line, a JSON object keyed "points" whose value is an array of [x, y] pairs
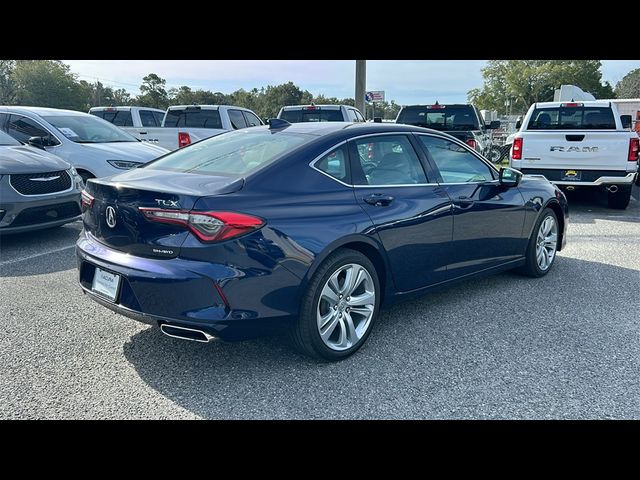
{"points": [[88, 129], [193, 117], [572, 118], [440, 117]]}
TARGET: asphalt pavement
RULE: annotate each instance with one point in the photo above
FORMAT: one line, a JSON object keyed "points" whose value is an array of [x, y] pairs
{"points": [[563, 346]]}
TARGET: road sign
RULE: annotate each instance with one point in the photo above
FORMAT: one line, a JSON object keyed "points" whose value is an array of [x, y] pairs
{"points": [[374, 96]]}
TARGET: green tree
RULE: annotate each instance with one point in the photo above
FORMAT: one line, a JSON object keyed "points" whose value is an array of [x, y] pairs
{"points": [[152, 92], [275, 97], [8, 92], [48, 83], [121, 97], [519, 83], [629, 86]]}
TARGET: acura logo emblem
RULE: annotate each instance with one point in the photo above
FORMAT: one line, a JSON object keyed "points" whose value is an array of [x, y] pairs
{"points": [[110, 216]]}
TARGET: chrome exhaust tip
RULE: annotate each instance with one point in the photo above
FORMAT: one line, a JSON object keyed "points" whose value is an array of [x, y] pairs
{"points": [[612, 188], [185, 333]]}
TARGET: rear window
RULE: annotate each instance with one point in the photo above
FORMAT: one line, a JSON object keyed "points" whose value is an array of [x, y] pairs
{"points": [[316, 115], [194, 118], [236, 153], [458, 117], [572, 118]]}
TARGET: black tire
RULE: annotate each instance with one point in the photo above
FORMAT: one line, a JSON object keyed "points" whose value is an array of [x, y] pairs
{"points": [[620, 199], [85, 176], [495, 154], [304, 333], [531, 268], [638, 179]]}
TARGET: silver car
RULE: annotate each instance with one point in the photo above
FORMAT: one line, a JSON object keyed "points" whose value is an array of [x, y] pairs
{"points": [[95, 147], [37, 189]]}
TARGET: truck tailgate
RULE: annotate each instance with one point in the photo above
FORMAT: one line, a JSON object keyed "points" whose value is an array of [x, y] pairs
{"points": [[589, 150]]}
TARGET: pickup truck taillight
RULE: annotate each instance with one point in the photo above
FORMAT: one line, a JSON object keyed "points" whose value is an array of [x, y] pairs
{"points": [[472, 143], [516, 150], [183, 139], [634, 146]]}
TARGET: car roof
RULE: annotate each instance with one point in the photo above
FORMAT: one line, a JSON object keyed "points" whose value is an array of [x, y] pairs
{"points": [[207, 107], [124, 108], [441, 104], [347, 129], [42, 111], [586, 103]]}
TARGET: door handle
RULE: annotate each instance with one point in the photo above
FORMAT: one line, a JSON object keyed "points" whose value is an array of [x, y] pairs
{"points": [[142, 133], [378, 199], [463, 202]]}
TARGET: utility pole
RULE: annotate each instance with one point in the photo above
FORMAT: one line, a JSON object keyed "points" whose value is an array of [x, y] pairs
{"points": [[361, 85]]}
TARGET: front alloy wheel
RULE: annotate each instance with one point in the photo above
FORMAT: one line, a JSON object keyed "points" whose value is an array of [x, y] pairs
{"points": [[546, 242]]}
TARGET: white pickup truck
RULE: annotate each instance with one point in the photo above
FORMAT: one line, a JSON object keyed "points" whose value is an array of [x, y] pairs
{"points": [[180, 125], [576, 145]]}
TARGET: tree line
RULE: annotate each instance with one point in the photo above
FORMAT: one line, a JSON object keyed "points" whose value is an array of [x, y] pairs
{"points": [[50, 83], [511, 86]]}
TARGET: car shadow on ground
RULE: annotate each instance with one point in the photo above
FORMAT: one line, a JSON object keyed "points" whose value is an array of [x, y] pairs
{"points": [[39, 252], [592, 201], [465, 352]]}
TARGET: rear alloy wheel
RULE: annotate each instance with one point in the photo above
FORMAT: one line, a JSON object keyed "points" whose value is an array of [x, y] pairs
{"points": [[543, 245], [619, 199], [339, 307]]}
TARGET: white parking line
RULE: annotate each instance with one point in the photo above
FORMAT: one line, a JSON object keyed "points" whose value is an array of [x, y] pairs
{"points": [[16, 260]]}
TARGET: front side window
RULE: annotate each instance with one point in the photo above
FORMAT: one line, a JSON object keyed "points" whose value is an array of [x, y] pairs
{"points": [[23, 128], [334, 164], [88, 129], [236, 153], [455, 163], [388, 160]]}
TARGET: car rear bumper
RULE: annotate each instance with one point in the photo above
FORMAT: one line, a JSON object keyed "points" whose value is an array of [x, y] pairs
{"points": [[218, 299], [594, 178]]}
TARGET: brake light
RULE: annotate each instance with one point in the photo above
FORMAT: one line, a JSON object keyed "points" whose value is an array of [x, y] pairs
{"points": [[207, 226], [183, 139], [472, 143], [634, 147], [86, 200], [516, 149], [435, 107], [312, 107], [572, 104]]}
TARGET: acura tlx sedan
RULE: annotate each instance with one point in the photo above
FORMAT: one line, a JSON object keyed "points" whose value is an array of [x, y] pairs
{"points": [[312, 227]]}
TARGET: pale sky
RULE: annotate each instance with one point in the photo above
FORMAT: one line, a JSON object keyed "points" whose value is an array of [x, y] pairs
{"points": [[405, 81]]}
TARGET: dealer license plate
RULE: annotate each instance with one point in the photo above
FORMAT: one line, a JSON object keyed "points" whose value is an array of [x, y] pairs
{"points": [[106, 284]]}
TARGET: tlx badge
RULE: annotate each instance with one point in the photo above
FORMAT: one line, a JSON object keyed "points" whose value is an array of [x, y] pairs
{"points": [[167, 203]]}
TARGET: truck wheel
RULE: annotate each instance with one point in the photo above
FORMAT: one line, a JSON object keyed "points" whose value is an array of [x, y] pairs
{"points": [[620, 199], [495, 154]]}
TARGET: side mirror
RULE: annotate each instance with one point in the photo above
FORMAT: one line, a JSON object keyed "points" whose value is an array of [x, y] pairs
{"points": [[39, 142], [510, 177], [377, 119], [266, 121], [494, 125], [626, 121], [518, 124]]}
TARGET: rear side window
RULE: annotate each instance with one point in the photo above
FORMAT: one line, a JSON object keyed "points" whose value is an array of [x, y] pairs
{"points": [[194, 118], [236, 118], [334, 164], [572, 118], [440, 117], [315, 115], [148, 119]]}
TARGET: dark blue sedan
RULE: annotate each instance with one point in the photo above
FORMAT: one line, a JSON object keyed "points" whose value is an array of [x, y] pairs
{"points": [[309, 226]]}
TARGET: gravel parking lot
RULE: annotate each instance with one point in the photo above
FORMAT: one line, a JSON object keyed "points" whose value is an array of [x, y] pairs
{"points": [[564, 346]]}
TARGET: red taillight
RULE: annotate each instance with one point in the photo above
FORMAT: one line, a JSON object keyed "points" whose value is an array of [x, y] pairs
{"points": [[516, 149], [183, 139], [207, 226], [472, 143], [634, 146], [86, 200], [311, 107], [571, 104], [435, 107]]}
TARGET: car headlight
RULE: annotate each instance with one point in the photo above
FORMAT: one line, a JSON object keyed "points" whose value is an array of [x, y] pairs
{"points": [[124, 164]]}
